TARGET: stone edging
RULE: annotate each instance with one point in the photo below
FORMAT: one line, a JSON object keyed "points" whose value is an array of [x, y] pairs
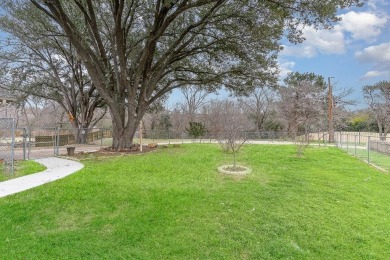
{"points": [[222, 169]]}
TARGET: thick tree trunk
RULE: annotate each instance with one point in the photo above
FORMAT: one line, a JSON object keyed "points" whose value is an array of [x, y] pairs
{"points": [[80, 132], [122, 137], [125, 122], [81, 136]]}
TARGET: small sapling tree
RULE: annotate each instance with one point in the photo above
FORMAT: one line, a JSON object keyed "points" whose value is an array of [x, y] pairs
{"points": [[234, 124], [302, 142]]}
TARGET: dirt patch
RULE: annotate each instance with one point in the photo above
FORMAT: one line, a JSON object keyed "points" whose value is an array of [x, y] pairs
{"points": [[135, 149], [109, 152], [231, 170]]}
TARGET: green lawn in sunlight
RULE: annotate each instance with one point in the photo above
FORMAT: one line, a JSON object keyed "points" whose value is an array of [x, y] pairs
{"points": [[173, 204]]}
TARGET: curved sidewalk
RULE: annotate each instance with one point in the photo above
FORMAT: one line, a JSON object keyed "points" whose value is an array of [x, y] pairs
{"points": [[56, 169]]}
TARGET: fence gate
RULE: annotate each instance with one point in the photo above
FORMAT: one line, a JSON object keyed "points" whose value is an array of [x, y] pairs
{"points": [[7, 145], [41, 142]]}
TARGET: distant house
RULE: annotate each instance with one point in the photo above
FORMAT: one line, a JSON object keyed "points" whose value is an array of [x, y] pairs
{"points": [[6, 98]]}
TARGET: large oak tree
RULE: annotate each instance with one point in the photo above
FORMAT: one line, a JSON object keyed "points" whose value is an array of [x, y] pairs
{"points": [[138, 51]]}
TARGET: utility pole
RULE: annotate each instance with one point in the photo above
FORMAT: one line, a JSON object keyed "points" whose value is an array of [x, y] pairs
{"points": [[330, 112]]}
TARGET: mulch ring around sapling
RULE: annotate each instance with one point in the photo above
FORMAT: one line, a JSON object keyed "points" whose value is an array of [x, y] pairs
{"points": [[109, 152], [134, 149], [234, 170]]}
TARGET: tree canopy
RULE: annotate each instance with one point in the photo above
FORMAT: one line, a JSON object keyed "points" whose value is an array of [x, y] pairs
{"points": [[302, 101], [138, 51]]}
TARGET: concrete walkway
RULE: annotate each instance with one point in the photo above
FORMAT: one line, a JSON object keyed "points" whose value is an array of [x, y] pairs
{"points": [[56, 169]]}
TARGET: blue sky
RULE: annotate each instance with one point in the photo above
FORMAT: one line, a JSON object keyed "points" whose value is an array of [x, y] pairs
{"points": [[356, 52]]}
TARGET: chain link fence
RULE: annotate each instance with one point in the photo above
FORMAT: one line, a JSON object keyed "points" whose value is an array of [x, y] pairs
{"points": [[44, 142], [169, 136], [368, 147], [7, 144]]}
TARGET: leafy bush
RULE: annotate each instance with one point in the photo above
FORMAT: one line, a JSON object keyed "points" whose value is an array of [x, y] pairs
{"points": [[196, 129]]}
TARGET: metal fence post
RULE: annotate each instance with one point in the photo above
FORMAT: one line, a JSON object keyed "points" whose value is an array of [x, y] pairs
{"points": [[12, 146], [101, 138], [29, 146], [24, 142], [318, 137], [323, 137], [355, 145], [368, 149], [57, 141], [359, 137], [54, 138]]}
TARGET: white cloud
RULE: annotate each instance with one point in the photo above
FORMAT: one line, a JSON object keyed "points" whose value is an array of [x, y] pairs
{"points": [[299, 51], [379, 56], [375, 54], [374, 74], [324, 40], [317, 41], [363, 25], [285, 68]]}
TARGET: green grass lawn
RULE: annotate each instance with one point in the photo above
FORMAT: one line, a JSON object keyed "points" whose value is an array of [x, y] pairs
{"points": [[378, 159], [172, 204], [21, 168]]}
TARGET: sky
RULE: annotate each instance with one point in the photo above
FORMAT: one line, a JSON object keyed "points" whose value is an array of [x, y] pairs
{"points": [[356, 52]]}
